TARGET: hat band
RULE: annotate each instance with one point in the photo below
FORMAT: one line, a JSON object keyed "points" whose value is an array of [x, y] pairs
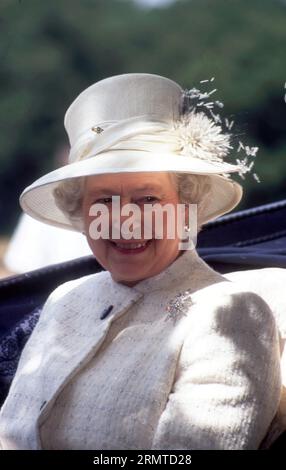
{"points": [[90, 143], [140, 133]]}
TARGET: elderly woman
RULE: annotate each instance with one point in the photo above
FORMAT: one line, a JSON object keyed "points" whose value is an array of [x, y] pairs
{"points": [[158, 350]]}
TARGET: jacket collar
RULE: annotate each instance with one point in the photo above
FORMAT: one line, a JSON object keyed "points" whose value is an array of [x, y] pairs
{"points": [[188, 267]]}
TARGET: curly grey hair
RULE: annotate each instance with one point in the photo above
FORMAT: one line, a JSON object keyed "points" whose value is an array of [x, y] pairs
{"points": [[192, 189]]}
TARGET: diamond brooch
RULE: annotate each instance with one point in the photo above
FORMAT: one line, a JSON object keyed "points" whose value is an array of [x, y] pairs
{"points": [[176, 307]]}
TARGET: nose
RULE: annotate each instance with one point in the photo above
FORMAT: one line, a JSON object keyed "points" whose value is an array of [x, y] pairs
{"points": [[126, 220]]}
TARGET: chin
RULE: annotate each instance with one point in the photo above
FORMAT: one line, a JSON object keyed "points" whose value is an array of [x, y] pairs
{"points": [[127, 275]]}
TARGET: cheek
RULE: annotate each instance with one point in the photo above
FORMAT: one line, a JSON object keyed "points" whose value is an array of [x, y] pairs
{"points": [[96, 223], [97, 247]]}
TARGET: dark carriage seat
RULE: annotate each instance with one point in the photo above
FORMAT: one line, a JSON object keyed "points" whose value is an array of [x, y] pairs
{"points": [[248, 246]]}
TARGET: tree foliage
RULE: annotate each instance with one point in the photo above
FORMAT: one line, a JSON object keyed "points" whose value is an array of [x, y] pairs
{"points": [[50, 51]]}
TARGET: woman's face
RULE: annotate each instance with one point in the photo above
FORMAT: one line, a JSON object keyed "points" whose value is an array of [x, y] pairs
{"points": [[129, 266]]}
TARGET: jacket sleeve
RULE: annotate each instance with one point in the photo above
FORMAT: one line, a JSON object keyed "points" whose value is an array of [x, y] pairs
{"points": [[36, 342], [227, 385]]}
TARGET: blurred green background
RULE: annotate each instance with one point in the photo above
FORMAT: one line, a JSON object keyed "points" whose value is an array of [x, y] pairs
{"points": [[50, 51]]}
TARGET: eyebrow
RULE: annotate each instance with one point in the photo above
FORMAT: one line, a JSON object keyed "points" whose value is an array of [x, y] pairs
{"points": [[149, 186]]}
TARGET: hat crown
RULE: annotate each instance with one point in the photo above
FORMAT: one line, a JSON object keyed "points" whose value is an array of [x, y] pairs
{"points": [[121, 97]]}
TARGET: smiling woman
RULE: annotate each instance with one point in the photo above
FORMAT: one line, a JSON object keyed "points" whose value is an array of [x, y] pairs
{"points": [[163, 188], [157, 351]]}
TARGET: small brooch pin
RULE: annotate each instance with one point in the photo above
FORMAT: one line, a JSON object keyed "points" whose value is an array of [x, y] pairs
{"points": [[177, 306], [97, 129]]}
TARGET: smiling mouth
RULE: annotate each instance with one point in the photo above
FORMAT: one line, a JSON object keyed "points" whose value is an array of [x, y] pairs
{"points": [[131, 247]]}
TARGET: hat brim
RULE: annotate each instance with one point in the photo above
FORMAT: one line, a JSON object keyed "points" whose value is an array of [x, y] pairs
{"points": [[38, 200]]}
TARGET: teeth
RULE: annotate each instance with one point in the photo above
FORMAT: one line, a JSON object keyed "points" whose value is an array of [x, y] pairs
{"points": [[131, 246]]}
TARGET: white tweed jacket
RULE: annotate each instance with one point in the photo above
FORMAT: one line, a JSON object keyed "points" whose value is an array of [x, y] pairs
{"points": [[215, 371]]}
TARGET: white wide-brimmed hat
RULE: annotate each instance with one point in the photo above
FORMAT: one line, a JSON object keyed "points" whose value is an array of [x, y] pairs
{"points": [[140, 122]]}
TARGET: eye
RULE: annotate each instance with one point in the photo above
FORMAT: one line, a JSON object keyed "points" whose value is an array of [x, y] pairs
{"points": [[103, 200], [150, 199]]}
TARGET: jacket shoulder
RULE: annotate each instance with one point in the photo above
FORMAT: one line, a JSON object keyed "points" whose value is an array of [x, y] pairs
{"points": [[72, 292], [232, 303], [77, 285]]}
